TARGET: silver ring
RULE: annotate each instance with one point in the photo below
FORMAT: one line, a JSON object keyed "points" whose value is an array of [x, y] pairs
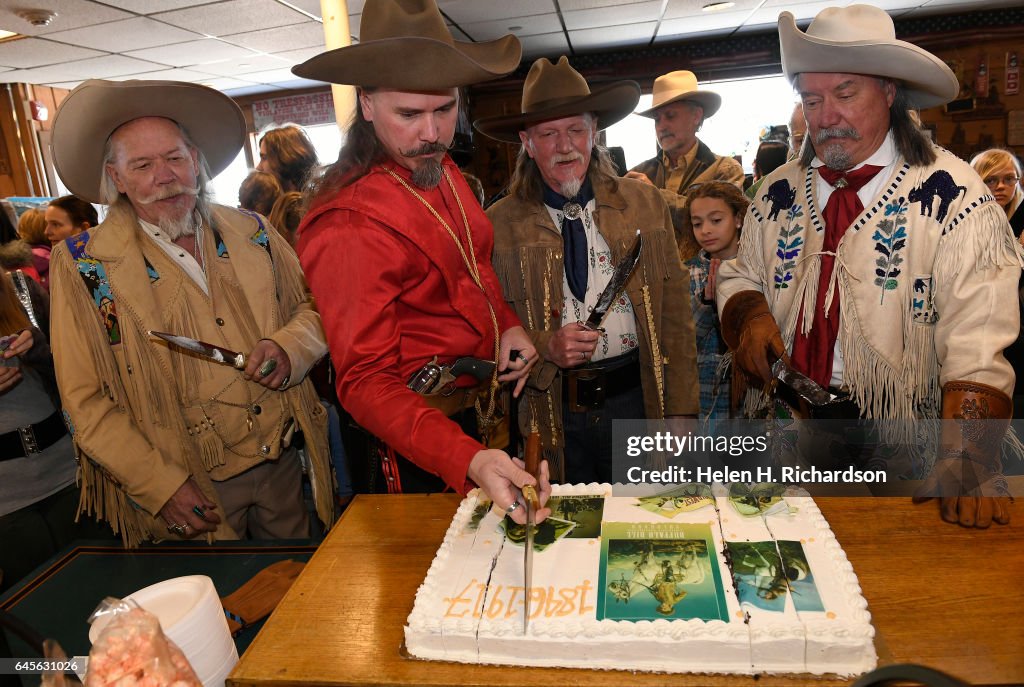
{"points": [[268, 366], [583, 356], [520, 356], [511, 509], [177, 529], [284, 383]]}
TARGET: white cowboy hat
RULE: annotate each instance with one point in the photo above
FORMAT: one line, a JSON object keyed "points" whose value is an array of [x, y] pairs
{"points": [[96, 108], [552, 91], [682, 85], [406, 45], [861, 39]]}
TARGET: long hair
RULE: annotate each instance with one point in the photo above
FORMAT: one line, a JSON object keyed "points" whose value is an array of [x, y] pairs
{"points": [[293, 157], [12, 315], [730, 194], [258, 192], [362, 150], [911, 142], [115, 199], [527, 184], [988, 161], [79, 211]]}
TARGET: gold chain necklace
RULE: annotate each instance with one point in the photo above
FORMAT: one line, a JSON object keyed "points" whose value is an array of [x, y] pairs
{"points": [[484, 419]]}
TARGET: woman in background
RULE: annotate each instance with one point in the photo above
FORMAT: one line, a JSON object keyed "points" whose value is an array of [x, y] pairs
{"points": [[289, 155], [32, 230], [67, 216], [287, 214], [38, 496], [1000, 170]]}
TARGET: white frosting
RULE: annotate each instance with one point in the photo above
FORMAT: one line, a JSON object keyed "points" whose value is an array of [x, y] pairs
{"points": [[470, 606]]}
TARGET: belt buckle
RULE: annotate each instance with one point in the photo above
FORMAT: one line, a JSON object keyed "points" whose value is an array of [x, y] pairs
{"points": [[28, 440], [593, 393]]}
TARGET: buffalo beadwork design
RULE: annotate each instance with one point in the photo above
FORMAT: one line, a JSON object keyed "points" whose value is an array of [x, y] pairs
{"points": [[781, 197], [939, 185]]}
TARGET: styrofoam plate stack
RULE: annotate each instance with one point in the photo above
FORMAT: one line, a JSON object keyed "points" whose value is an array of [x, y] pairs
{"points": [[192, 617]]}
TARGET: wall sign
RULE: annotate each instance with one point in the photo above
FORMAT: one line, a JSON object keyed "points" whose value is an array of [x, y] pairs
{"points": [[308, 109], [1015, 128]]}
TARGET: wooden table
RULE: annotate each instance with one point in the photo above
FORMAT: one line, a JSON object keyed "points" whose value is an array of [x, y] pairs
{"points": [[939, 594]]}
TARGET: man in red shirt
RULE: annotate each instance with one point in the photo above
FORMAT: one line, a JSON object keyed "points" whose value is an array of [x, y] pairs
{"points": [[397, 252]]}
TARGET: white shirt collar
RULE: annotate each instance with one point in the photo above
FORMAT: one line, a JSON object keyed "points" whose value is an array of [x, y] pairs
{"points": [[884, 156]]}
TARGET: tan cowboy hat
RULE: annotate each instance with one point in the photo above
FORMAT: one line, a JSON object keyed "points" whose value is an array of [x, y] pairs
{"points": [[861, 39], [552, 91], [682, 85], [405, 45], [95, 109]]}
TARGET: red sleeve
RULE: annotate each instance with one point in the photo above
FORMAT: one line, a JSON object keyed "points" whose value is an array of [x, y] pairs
{"points": [[354, 268], [506, 315]]}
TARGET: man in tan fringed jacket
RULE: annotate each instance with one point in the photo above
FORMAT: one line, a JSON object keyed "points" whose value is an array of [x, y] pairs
{"points": [[170, 443], [880, 264], [557, 237]]}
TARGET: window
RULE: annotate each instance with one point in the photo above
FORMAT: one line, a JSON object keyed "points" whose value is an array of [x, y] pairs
{"points": [[748, 106]]}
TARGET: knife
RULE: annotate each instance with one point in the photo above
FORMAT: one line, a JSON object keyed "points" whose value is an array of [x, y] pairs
{"points": [[618, 281], [802, 385], [217, 354], [532, 459]]}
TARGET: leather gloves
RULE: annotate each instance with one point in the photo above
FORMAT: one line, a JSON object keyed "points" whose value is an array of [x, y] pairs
{"points": [[750, 331], [968, 473]]}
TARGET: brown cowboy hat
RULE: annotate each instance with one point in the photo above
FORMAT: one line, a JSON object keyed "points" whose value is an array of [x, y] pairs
{"points": [[681, 85], [95, 109], [405, 45], [861, 39], [552, 91]]}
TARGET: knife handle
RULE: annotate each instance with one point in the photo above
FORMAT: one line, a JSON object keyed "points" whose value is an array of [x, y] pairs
{"points": [[239, 361], [532, 455]]}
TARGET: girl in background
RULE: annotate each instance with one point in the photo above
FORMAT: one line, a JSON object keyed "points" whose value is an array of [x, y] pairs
{"points": [[1000, 170], [32, 230], [714, 213]]}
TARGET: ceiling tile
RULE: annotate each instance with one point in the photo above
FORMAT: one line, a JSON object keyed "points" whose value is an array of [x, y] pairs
{"points": [[26, 53], [713, 24], [474, 11], [70, 14], [692, 8], [611, 36], [153, 6], [66, 85], [297, 56], [573, 5], [802, 12], [307, 35], [253, 63], [277, 75], [193, 52], [105, 67], [233, 16], [525, 26], [550, 44], [189, 75], [613, 16], [132, 34], [223, 83], [252, 90]]}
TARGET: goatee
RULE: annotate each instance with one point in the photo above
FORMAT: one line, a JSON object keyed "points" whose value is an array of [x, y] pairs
{"points": [[428, 175], [571, 187], [175, 228]]}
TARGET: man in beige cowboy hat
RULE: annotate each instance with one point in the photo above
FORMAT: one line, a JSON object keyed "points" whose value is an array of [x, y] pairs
{"points": [[170, 441], [566, 222], [397, 251], [877, 263], [679, 108]]}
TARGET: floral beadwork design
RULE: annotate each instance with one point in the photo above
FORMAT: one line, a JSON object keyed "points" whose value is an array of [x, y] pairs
{"points": [[890, 239], [788, 247]]}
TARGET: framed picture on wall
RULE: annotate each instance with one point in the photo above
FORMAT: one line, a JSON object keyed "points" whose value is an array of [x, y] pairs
{"points": [[1015, 128]]}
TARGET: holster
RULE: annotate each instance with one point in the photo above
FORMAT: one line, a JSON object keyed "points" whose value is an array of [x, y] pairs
{"points": [[975, 419]]}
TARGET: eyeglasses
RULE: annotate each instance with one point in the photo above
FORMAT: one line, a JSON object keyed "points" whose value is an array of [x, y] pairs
{"points": [[1008, 180]]}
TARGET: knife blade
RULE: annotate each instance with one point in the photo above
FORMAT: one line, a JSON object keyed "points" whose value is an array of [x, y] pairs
{"points": [[615, 285], [802, 385], [224, 356], [532, 460]]}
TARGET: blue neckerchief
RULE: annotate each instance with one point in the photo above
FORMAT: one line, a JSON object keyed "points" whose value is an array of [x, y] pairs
{"points": [[574, 237]]}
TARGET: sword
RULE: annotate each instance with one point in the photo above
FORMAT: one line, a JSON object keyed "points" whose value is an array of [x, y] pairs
{"points": [[620, 276], [532, 459], [224, 356]]}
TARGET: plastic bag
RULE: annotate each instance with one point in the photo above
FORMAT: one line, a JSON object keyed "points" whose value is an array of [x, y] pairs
{"points": [[132, 651]]}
